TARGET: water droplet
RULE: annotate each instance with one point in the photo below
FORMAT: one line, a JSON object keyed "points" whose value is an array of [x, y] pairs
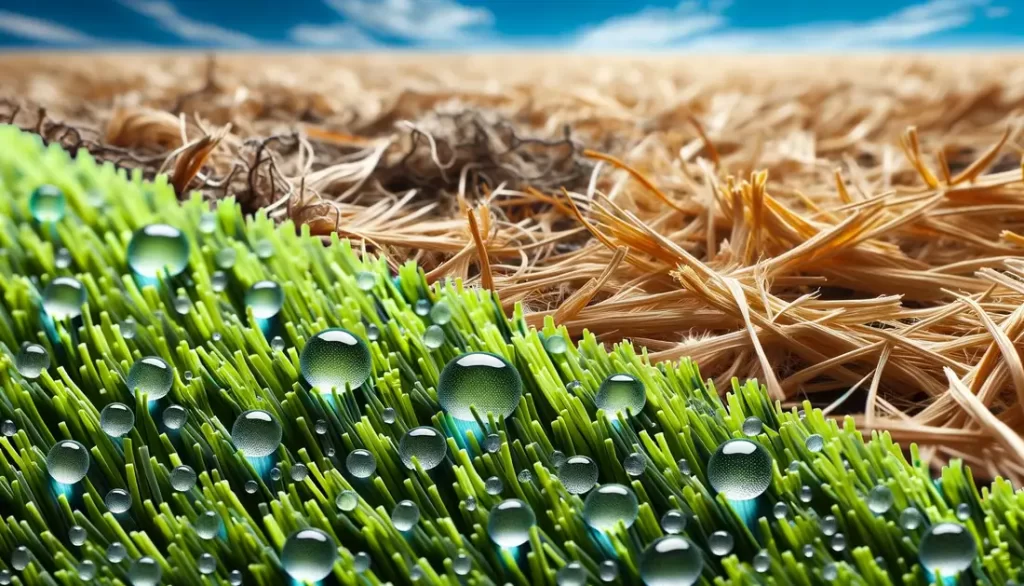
{"points": [[440, 314], [684, 467], [621, 393], [947, 548], [963, 511], [207, 222], [509, 523], [634, 464], [806, 495], [335, 359], [298, 472], [157, 248], [361, 562], [880, 499], [422, 307], [67, 461], [372, 332], [128, 328], [182, 305], [145, 572], [571, 574], [265, 299], [6, 577], [794, 466], [175, 417], [63, 298], [87, 570], [814, 443], [911, 518], [740, 469], [578, 474], [555, 344], [152, 376], [752, 426], [829, 526], [118, 500], [183, 478], [462, 564], [8, 428], [808, 551], [388, 415], [762, 562], [47, 203], [720, 543], [433, 338], [557, 459], [609, 504], [470, 503], [116, 552], [424, 443], [330, 452], [275, 473], [416, 573], [405, 515], [524, 476], [117, 419], [20, 558], [235, 578], [608, 571], [63, 258], [780, 510], [493, 485], [77, 535], [216, 337], [256, 433], [207, 564], [671, 561], [481, 380], [225, 258], [218, 281], [264, 248], [366, 280], [277, 344], [251, 487], [673, 521], [207, 525], [32, 360], [308, 555], [361, 463], [838, 542], [492, 443], [830, 571]]}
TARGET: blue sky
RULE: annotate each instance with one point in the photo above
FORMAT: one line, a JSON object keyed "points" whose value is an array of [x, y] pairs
{"points": [[717, 26]]}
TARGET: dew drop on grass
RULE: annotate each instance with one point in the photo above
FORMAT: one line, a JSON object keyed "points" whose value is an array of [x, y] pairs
{"points": [[265, 299], [422, 307], [838, 542], [911, 518], [372, 332], [207, 222], [720, 543], [77, 535], [780, 510], [145, 571], [207, 525], [433, 338], [8, 428], [118, 500], [218, 281], [470, 503], [6, 577], [388, 415], [308, 555], [752, 426], [814, 443], [158, 249], [830, 571], [47, 204], [609, 504], [298, 472], [524, 476], [150, 375], [175, 417], [63, 258], [225, 258], [86, 570], [740, 469], [963, 511], [555, 344], [183, 478], [947, 548], [361, 463], [440, 313], [671, 561], [808, 551], [117, 419], [263, 248], [277, 344], [256, 433], [880, 499], [235, 578], [557, 458], [63, 298], [684, 467], [634, 464], [366, 280], [128, 328], [493, 485], [762, 561], [673, 522], [509, 523], [829, 526], [806, 495], [182, 305], [621, 393], [207, 564], [424, 443], [335, 359], [578, 474], [462, 564], [251, 487], [347, 500], [67, 461], [320, 427], [492, 443], [405, 515], [361, 562], [20, 558], [608, 571], [32, 360], [416, 573], [571, 574], [116, 552], [275, 473], [481, 380]]}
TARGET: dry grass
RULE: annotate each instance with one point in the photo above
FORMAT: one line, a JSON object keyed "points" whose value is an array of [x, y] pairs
{"points": [[849, 230]]}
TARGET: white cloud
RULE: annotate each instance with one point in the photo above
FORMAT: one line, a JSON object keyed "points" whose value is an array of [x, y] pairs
{"points": [[45, 31], [650, 28], [997, 12], [340, 35], [423, 21], [168, 18]]}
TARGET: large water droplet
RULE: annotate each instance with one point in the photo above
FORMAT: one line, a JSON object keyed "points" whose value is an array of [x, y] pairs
{"points": [[256, 433], [117, 419], [63, 298], [405, 515], [509, 523], [947, 548], [47, 203], [175, 417], [207, 525], [32, 360], [620, 393], [424, 443], [21, 558], [335, 359], [145, 572], [720, 543], [481, 380], [118, 500], [152, 376], [740, 469], [752, 426], [609, 504], [67, 461], [361, 463], [880, 499], [308, 555], [671, 561], [157, 248], [265, 298], [578, 474], [183, 478]]}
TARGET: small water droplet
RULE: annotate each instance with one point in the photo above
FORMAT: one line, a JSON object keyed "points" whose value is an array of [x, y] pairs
{"points": [[947, 548], [63, 258], [493, 485], [8, 428], [673, 521], [684, 467], [207, 222], [128, 328], [388, 415], [416, 573], [524, 476], [63, 298], [152, 376], [218, 281], [838, 542], [780, 510], [830, 571], [183, 478], [251, 487], [32, 360], [578, 474], [372, 332], [47, 204], [880, 499], [277, 344], [256, 433], [207, 564], [440, 313], [814, 443], [265, 299], [963, 511], [226, 258], [911, 518], [556, 344], [806, 495], [182, 305], [20, 558], [608, 505], [366, 280], [235, 578], [145, 572], [308, 555], [424, 443], [77, 535], [462, 564], [752, 426], [361, 463], [67, 462], [608, 571], [720, 543], [117, 419], [492, 443], [158, 249], [264, 248], [481, 380], [116, 552], [510, 522], [347, 500], [829, 526], [86, 570], [808, 551], [175, 417], [335, 359], [361, 562], [571, 574], [621, 393], [671, 561], [741, 469], [470, 503], [762, 562], [634, 464], [433, 338], [422, 307], [299, 472], [275, 473], [207, 525], [118, 500], [405, 515]]}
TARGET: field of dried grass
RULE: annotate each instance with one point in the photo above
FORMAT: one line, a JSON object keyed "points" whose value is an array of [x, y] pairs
{"points": [[847, 229]]}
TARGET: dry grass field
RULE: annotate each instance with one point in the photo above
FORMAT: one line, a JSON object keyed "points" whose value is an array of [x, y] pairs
{"points": [[847, 229]]}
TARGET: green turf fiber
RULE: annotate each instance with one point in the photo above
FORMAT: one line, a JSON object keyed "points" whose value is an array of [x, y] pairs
{"points": [[224, 364]]}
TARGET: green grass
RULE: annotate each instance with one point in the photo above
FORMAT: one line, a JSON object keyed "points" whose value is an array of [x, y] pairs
{"points": [[234, 369]]}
